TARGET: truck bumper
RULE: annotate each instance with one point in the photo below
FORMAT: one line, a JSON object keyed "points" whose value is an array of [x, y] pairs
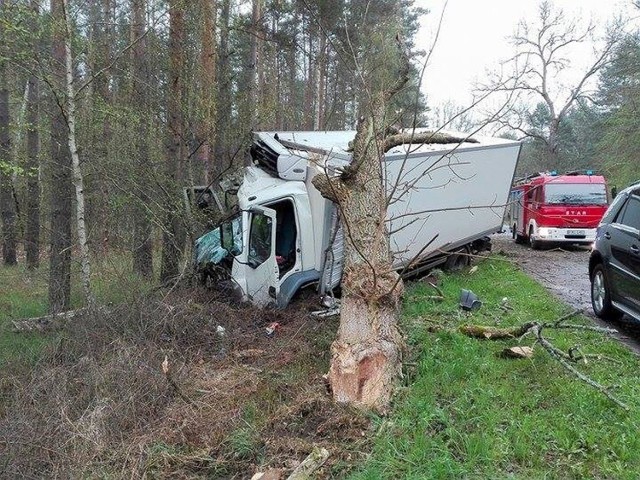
{"points": [[566, 235]]}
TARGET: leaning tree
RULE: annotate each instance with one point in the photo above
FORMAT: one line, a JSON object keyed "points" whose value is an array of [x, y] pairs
{"points": [[367, 353]]}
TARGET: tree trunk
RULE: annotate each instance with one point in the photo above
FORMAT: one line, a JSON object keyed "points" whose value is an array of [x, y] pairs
{"points": [[318, 122], [7, 202], [224, 95], [252, 65], [142, 231], [78, 179], [366, 355], [173, 237], [60, 168], [32, 238], [206, 128]]}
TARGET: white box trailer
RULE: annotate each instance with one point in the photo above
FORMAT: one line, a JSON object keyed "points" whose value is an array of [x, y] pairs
{"points": [[444, 199]]}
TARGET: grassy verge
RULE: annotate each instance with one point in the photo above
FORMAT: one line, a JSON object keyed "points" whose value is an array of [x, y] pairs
{"points": [[468, 413]]}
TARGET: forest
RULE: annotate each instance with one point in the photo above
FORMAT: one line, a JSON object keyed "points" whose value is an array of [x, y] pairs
{"points": [[108, 109]]}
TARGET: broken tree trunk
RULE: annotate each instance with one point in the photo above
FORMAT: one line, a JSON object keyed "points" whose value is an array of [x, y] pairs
{"points": [[366, 355]]}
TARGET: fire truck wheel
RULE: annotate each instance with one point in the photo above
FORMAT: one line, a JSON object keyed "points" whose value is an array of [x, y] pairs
{"points": [[601, 296], [520, 239], [535, 244]]}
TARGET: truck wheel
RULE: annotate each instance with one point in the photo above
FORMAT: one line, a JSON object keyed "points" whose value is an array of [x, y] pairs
{"points": [[535, 244], [458, 260], [520, 239], [601, 295]]}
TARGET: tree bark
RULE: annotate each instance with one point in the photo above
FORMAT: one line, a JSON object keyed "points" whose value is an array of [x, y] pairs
{"points": [[207, 124], [77, 176], [366, 355], [32, 238], [7, 202], [223, 77], [173, 237], [60, 168], [142, 231], [252, 65]]}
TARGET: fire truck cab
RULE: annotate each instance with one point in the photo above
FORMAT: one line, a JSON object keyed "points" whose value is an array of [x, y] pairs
{"points": [[550, 208]]}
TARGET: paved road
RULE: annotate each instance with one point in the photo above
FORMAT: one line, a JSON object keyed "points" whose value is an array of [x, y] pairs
{"points": [[564, 272]]}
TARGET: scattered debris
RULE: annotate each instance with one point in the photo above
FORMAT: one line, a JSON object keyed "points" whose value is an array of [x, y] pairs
{"points": [[271, 474], [220, 331], [271, 328], [473, 269], [469, 301], [517, 352], [331, 307], [313, 462]]}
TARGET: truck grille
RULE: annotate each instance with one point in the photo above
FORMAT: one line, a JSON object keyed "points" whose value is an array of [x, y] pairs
{"points": [[265, 157]]}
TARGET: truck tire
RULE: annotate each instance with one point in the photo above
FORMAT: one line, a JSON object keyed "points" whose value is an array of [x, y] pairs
{"points": [[520, 239], [601, 295], [535, 244], [458, 260]]}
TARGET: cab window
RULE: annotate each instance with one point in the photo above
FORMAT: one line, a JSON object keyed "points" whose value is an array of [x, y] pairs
{"points": [[259, 239]]}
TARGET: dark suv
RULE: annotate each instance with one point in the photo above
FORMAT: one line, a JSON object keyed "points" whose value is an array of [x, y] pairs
{"points": [[614, 265]]}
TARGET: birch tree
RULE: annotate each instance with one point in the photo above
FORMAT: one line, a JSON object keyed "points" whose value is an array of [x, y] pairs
{"points": [[77, 177]]}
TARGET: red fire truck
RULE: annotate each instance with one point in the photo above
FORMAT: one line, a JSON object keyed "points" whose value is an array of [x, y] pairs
{"points": [[549, 208]]}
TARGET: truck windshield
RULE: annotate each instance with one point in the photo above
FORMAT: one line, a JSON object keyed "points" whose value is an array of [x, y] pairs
{"points": [[575, 194], [216, 245]]}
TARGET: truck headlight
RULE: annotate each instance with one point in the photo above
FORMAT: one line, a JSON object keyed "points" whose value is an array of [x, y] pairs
{"points": [[544, 232]]}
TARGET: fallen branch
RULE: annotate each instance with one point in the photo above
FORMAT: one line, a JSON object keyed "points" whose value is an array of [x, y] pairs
{"points": [[55, 321], [553, 351], [313, 462], [565, 359], [494, 333]]}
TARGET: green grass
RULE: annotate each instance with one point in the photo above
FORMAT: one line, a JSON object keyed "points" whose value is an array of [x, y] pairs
{"points": [[468, 413], [24, 294]]}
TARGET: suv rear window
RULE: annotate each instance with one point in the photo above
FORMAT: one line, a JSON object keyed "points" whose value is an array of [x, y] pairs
{"points": [[614, 208]]}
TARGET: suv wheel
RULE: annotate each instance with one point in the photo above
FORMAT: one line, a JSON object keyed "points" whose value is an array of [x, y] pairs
{"points": [[601, 295]]}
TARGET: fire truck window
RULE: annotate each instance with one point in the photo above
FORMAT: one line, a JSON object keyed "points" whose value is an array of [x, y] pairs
{"points": [[631, 214], [576, 193]]}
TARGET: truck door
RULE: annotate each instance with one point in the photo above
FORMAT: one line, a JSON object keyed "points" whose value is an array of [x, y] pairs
{"points": [[262, 275]]}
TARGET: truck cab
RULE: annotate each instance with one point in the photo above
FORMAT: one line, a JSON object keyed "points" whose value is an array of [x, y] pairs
{"points": [[551, 208]]}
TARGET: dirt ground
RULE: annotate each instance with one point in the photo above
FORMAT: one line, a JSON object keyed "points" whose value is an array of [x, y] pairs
{"points": [[564, 272]]}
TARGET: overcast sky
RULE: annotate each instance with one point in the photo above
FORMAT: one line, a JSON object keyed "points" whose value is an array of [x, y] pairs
{"points": [[474, 38]]}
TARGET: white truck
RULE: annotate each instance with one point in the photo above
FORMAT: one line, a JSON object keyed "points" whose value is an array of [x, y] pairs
{"points": [[444, 200]]}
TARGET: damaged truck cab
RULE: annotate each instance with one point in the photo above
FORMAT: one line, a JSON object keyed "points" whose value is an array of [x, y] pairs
{"points": [[286, 236]]}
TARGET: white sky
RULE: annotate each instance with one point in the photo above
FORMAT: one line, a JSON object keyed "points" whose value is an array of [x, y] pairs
{"points": [[474, 38]]}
